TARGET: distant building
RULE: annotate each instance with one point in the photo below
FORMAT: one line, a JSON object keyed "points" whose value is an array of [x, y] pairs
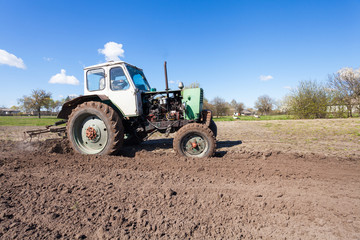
{"points": [[8, 112], [246, 113], [338, 107]]}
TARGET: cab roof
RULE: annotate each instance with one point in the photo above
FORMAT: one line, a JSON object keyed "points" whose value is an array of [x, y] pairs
{"points": [[110, 63]]}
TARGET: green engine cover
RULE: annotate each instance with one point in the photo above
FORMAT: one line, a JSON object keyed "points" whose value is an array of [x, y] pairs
{"points": [[193, 100]]}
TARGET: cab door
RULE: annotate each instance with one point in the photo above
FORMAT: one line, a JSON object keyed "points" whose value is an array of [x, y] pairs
{"points": [[122, 92]]}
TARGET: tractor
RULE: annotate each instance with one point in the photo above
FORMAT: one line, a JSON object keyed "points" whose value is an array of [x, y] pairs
{"points": [[119, 107]]}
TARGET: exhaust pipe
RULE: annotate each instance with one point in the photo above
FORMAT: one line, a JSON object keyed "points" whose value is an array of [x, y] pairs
{"points": [[167, 87], [166, 79]]}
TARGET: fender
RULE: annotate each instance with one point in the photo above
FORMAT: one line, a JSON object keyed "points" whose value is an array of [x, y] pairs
{"points": [[72, 104]]}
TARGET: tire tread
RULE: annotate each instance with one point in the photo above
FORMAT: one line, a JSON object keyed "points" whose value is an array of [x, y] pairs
{"points": [[116, 129]]}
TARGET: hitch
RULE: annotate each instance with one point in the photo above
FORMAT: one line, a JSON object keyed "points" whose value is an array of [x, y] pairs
{"points": [[48, 128]]}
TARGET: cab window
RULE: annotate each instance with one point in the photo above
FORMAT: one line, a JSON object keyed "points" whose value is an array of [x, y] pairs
{"points": [[118, 80], [95, 79], [139, 78]]}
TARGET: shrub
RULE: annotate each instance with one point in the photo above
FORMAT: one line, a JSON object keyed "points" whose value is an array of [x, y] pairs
{"points": [[309, 100]]}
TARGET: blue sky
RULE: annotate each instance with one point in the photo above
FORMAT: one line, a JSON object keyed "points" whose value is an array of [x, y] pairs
{"points": [[235, 49]]}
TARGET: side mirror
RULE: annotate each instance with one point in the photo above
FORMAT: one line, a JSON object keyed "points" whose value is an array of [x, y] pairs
{"points": [[181, 85]]}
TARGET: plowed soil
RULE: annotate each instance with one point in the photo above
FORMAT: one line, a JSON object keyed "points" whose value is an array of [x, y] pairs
{"points": [[266, 181]]}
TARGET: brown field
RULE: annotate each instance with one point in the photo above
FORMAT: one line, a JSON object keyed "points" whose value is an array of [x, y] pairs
{"points": [[268, 180]]}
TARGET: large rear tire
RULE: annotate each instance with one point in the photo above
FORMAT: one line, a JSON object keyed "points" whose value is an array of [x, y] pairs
{"points": [[195, 140], [95, 128]]}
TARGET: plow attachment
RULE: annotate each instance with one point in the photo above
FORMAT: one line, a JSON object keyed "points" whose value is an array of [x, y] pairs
{"points": [[47, 129]]}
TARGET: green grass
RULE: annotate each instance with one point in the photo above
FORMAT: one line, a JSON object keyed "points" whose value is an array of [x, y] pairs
{"points": [[27, 120], [49, 120], [251, 118]]}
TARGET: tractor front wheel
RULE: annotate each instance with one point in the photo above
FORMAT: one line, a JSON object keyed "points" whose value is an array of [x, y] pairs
{"points": [[213, 127], [195, 140], [95, 128]]}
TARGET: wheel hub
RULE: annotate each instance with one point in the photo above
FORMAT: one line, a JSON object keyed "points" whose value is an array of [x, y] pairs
{"points": [[91, 133], [194, 145]]}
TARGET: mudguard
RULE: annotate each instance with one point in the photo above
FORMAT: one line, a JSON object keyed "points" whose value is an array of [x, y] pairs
{"points": [[70, 105]]}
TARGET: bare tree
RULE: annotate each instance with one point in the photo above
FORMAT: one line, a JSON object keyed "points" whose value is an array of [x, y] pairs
{"points": [[193, 85], [220, 106], [207, 105], [69, 98], [264, 104], [54, 106], [58, 104], [50, 105], [15, 107], [238, 106], [309, 100], [277, 107], [345, 85], [37, 100]]}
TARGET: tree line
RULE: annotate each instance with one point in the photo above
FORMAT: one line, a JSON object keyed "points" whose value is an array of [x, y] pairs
{"points": [[264, 105], [339, 96]]}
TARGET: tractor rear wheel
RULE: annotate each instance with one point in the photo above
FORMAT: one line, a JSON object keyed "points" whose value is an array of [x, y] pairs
{"points": [[195, 140], [95, 128]]}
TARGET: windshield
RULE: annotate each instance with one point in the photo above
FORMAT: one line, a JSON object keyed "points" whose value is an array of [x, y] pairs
{"points": [[139, 78]]}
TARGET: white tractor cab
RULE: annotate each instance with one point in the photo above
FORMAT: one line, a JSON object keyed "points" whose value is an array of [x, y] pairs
{"points": [[121, 82], [118, 104]]}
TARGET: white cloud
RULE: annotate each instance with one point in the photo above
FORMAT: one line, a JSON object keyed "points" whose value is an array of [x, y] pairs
{"points": [[266, 77], [172, 82], [112, 51], [288, 87], [11, 60], [73, 95], [48, 59], [62, 78]]}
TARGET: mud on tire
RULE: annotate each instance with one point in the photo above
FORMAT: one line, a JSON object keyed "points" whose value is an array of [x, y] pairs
{"points": [[195, 140], [95, 128], [213, 127]]}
